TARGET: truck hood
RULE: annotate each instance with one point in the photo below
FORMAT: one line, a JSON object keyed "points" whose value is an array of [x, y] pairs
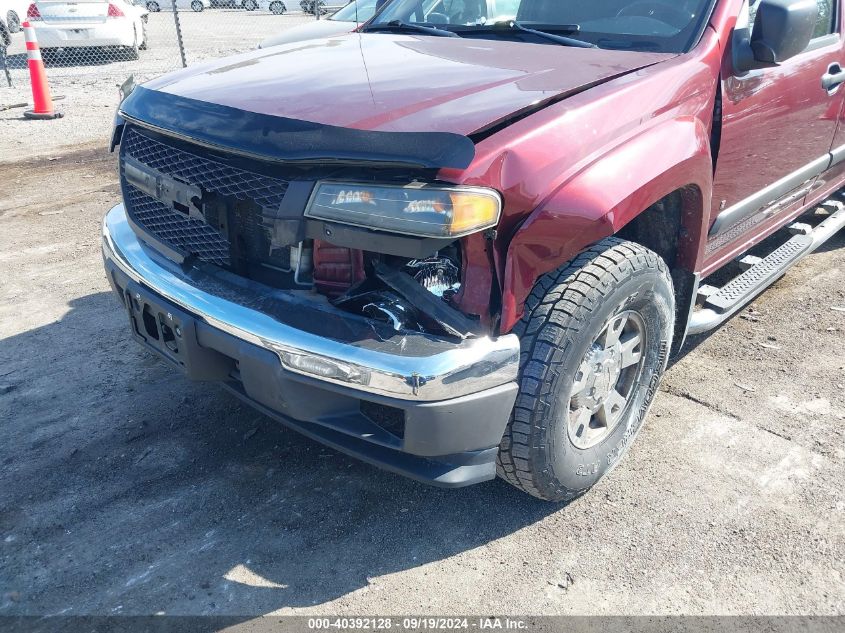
{"points": [[309, 31], [401, 83]]}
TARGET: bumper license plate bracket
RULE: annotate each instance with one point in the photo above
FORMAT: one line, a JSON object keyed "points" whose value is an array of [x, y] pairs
{"points": [[172, 333]]}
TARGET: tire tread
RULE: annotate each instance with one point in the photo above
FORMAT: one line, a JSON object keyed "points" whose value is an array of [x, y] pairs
{"points": [[562, 299]]}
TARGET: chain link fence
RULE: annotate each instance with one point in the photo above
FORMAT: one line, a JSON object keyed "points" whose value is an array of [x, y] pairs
{"points": [[92, 46]]}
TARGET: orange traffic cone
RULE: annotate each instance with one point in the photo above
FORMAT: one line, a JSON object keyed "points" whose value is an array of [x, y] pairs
{"points": [[41, 98]]}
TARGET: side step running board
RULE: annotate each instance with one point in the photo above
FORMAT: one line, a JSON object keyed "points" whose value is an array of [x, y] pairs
{"points": [[722, 303]]}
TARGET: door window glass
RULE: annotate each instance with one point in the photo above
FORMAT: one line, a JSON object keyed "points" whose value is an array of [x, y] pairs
{"points": [[826, 22]]}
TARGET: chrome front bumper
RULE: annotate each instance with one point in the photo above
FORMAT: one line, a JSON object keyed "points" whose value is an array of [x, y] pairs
{"points": [[327, 346]]}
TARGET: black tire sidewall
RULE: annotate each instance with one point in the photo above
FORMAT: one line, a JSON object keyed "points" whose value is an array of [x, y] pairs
{"points": [[650, 295]]}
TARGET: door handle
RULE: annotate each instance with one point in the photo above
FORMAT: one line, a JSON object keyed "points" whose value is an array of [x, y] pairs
{"points": [[833, 78]]}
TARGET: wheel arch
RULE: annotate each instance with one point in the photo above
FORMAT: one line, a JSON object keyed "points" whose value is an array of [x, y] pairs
{"points": [[661, 179], [672, 227]]}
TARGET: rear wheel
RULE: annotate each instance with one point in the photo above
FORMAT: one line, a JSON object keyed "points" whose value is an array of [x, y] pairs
{"points": [[153, 6], [197, 6], [278, 7], [250, 5], [595, 340], [13, 22]]}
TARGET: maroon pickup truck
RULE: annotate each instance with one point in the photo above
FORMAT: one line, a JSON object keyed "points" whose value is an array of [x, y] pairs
{"points": [[466, 239]]}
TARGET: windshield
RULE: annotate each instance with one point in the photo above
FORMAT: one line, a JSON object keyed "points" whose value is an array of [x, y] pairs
{"points": [[652, 25], [365, 10]]}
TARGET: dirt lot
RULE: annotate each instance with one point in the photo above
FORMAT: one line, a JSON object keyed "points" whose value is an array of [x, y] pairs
{"points": [[124, 489]]}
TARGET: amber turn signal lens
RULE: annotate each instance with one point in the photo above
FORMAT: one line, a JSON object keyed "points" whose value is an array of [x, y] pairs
{"points": [[471, 211]]}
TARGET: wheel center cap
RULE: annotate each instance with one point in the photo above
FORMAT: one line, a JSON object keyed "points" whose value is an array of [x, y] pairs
{"points": [[604, 381], [605, 369]]}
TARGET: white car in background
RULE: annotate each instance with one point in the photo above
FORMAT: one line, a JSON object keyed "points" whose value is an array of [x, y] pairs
{"points": [[13, 13], [154, 6], [88, 24], [274, 6], [344, 21]]}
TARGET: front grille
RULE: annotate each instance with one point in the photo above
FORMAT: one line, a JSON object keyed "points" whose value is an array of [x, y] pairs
{"points": [[224, 187], [176, 229], [211, 175]]}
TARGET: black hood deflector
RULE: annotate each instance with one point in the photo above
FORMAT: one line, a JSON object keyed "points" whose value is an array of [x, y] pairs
{"points": [[282, 139]]}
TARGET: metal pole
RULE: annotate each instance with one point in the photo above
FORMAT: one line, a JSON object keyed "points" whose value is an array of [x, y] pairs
{"points": [[5, 42], [5, 60], [317, 8], [179, 33]]}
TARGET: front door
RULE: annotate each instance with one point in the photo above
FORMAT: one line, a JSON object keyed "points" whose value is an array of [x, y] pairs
{"points": [[777, 128]]}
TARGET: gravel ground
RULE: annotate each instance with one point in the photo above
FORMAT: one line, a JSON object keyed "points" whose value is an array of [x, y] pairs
{"points": [[126, 489]]}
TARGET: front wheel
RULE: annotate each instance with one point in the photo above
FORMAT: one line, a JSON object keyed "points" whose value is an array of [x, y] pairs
{"points": [[278, 7], [153, 7], [595, 340], [197, 6]]}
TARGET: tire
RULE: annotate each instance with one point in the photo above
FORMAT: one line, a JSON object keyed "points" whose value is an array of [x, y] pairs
{"points": [[278, 7], [557, 444], [153, 6], [13, 22], [197, 6]]}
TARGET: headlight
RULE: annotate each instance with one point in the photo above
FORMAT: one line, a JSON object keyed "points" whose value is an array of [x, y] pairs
{"points": [[423, 210]]}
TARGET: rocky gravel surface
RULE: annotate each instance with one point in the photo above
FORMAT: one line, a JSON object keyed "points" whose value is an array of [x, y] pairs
{"points": [[125, 489]]}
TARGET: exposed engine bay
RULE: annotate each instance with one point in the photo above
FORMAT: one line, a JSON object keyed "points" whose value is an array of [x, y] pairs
{"points": [[389, 251], [408, 294]]}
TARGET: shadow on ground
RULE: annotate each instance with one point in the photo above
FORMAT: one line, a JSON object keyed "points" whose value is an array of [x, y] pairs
{"points": [[837, 242], [72, 58], [171, 496], [175, 497]]}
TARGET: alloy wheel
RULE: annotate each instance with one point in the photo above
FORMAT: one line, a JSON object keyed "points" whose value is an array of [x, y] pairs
{"points": [[606, 380]]}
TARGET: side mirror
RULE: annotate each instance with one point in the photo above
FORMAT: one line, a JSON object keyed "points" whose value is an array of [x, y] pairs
{"points": [[782, 29]]}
